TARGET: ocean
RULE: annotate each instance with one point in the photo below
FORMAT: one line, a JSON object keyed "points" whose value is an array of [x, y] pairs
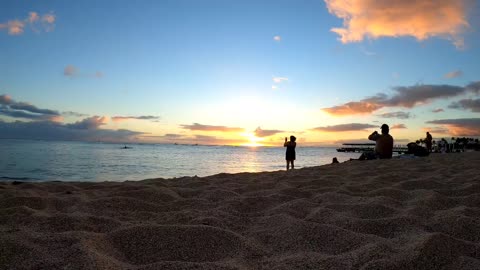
{"points": [[30, 160]]}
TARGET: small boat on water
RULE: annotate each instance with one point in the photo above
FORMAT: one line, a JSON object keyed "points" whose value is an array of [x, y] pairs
{"points": [[126, 147]]}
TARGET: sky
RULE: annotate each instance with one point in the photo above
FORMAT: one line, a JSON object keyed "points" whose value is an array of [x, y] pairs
{"points": [[231, 72]]}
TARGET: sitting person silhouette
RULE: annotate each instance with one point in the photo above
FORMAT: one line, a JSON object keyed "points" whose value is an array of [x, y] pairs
{"points": [[383, 146]]}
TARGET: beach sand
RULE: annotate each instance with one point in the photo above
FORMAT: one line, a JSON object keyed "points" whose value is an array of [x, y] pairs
{"points": [[421, 213]]}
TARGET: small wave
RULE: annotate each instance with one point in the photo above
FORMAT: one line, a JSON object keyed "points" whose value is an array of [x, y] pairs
{"points": [[18, 178]]}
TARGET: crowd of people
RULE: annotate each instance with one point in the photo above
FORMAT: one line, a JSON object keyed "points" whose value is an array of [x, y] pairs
{"points": [[384, 146]]}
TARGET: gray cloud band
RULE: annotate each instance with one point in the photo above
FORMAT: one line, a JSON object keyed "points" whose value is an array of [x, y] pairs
{"points": [[345, 127], [12, 108], [406, 97]]}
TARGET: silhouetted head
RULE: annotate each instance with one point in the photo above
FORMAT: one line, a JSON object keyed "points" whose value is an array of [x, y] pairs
{"points": [[385, 129], [334, 160], [428, 133], [292, 138]]}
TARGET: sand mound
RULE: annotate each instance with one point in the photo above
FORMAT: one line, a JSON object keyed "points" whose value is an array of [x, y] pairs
{"points": [[385, 214], [148, 244]]}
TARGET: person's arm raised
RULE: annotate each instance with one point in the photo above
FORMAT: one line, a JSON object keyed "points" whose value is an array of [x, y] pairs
{"points": [[374, 136]]}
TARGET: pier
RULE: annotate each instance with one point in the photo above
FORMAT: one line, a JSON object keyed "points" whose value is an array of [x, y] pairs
{"points": [[368, 147]]}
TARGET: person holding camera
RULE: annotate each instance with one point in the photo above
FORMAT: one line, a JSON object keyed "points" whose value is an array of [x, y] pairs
{"points": [[384, 143], [290, 154]]}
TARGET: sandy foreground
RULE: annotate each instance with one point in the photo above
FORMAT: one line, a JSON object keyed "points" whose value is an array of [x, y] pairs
{"points": [[421, 213]]}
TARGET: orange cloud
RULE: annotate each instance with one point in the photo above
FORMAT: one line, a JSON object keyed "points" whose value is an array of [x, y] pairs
{"points": [[93, 122], [453, 74], [5, 99], [266, 132], [345, 127], [460, 127], [354, 107], [70, 71], [403, 96], [436, 130], [398, 126], [420, 19], [142, 117], [33, 17], [16, 27], [200, 127], [48, 18]]}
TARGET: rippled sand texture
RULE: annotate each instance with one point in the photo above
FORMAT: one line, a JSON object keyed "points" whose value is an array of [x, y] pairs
{"points": [[387, 214]]}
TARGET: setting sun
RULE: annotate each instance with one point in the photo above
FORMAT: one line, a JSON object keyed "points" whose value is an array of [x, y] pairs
{"points": [[252, 140]]}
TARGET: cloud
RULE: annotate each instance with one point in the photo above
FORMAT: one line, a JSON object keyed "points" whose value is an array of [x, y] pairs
{"points": [[436, 130], [37, 23], [406, 97], [74, 114], [73, 71], [277, 38], [453, 74], [367, 52], [47, 130], [279, 79], [5, 99], [474, 87], [345, 127], [31, 109], [93, 122], [460, 127], [12, 108], [15, 27], [142, 117], [438, 110], [354, 107], [200, 127], [468, 104], [46, 124], [33, 17], [399, 115], [398, 126], [421, 19], [48, 18], [274, 87], [24, 115], [70, 71], [265, 132]]}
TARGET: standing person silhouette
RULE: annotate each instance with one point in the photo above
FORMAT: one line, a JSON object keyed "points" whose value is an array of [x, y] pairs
{"points": [[290, 154], [428, 142]]}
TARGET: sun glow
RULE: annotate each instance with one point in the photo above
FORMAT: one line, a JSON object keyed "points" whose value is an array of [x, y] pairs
{"points": [[253, 141]]}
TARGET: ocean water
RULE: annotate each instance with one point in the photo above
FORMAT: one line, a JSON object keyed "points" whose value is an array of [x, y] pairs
{"points": [[83, 161]]}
